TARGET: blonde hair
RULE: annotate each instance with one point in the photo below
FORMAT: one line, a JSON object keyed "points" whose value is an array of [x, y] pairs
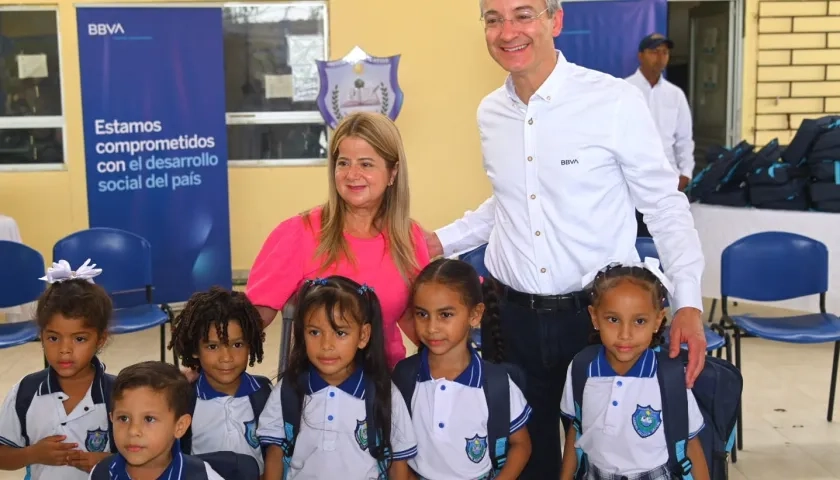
{"points": [[393, 215]]}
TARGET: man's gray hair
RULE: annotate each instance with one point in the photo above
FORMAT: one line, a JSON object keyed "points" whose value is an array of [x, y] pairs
{"points": [[552, 6]]}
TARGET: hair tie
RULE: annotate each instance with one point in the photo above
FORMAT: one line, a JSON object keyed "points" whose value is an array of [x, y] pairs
{"points": [[481, 279], [317, 281], [365, 289], [60, 271]]}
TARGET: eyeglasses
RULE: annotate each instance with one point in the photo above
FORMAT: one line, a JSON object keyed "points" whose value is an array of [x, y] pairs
{"points": [[521, 19]]}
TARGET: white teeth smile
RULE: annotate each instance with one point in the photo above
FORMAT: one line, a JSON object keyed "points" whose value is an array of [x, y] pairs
{"points": [[515, 49]]}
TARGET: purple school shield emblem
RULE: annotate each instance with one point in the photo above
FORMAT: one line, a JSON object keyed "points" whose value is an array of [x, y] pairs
{"points": [[359, 82]]}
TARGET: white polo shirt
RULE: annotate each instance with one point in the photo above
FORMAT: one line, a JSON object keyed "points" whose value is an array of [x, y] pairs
{"points": [[621, 416], [223, 423], [174, 471], [86, 425], [450, 421], [568, 171], [672, 115], [333, 437]]}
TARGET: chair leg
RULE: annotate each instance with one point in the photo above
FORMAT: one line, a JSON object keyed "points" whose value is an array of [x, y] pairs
{"points": [[740, 428], [833, 382], [712, 310], [163, 343]]}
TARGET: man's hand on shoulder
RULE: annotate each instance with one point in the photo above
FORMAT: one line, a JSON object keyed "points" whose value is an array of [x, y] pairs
{"points": [[433, 244], [683, 182], [687, 327]]}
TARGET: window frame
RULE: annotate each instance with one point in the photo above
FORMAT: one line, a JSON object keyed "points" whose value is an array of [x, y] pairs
{"points": [[312, 117], [37, 121]]}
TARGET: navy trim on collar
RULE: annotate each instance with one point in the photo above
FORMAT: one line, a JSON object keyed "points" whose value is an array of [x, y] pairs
{"points": [[645, 366], [472, 376], [175, 470], [354, 385], [97, 390], [247, 386]]}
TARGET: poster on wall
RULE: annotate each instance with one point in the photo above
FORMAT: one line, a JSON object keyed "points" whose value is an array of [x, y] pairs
{"points": [[605, 35], [153, 105]]}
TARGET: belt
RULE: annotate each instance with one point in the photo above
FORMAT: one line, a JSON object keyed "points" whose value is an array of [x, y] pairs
{"points": [[569, 301]]}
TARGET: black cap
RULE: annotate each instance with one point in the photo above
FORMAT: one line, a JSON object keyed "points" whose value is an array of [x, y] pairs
{"points": [[654, 40]]}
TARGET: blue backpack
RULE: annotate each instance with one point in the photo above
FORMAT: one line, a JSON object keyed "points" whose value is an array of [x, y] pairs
{"points": [[291, 404], [496, 391], [718, 394], [720, 182]]}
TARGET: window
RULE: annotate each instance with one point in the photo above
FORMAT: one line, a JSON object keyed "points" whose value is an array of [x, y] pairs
{"points": [[271, 82], [31, 112]]}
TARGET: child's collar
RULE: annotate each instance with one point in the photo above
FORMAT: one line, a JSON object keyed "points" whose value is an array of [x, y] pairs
{"points": [[354, 384], [247, 386], [472, 376], [173, 471], [97, 390], [645, 366]]}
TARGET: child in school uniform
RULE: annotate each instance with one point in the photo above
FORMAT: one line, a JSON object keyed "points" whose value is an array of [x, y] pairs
{"points": [[622, 434], [449, 407], [219, 334], [337, 375], [55, 421], [150, 416]]}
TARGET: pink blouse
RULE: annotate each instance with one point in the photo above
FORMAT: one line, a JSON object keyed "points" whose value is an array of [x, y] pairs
{"points": [[287, 259]]}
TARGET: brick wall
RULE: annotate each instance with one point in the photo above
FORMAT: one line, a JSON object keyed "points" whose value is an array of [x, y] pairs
{"points": [[798, 65]]}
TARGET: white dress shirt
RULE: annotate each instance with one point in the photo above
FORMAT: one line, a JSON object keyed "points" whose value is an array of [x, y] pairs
{"points": [[670, 111], [567, 170]]}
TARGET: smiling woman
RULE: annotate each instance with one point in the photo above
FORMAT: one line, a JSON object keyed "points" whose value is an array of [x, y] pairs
{"points": [[363, 231]]}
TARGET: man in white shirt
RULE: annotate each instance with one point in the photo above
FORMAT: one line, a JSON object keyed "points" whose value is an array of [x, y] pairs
{"points": [[570, 153]]}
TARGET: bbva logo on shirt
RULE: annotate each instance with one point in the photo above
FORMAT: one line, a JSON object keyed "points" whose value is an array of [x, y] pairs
{"points": [[105, 29]]}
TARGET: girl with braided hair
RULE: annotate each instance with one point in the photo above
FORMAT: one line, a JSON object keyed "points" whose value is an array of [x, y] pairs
{"points": [[219, 335]]}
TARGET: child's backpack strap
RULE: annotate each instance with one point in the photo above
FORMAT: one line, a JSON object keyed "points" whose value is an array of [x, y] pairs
{"points": [[101, 471], [580, 373], [497, 393], [229, 465], [108, 385], [259, 398], [186, 439], [291, 405], [27, 390], [194, 468], [374, 433], [671, 375], [405, 377]]}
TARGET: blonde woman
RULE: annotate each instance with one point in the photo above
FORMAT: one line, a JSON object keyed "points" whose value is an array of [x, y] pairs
{"points": [[363, 232]]}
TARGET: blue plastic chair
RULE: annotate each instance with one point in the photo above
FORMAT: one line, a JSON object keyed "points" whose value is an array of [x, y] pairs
{"points": [[475, 258], [24, 267], [716, 338], [126, 262], [772, 266]]}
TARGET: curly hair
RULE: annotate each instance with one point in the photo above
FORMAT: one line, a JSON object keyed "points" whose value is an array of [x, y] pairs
{"points": [[614, 274], [462, 277], [76, 299], [216, 308]]}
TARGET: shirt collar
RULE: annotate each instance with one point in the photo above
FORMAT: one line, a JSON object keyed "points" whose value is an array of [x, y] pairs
{"points": [[641, 79], [550, 88], [645, 366], [97, 390], [472, 376], [247, 386], [354, 385], [175, 470]]}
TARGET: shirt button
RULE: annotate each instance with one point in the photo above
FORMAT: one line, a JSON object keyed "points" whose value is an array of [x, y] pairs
{"points": [[332, 394], [533, 196], [530, 159], [443, 387], [542, 270], [330, 418], [538, 233], [615, 404], [619, 383], [440, 424], [530, 121], [548, 98], [86, 409]]}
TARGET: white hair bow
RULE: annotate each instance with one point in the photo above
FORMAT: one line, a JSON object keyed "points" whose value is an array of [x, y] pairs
{"points": [[61, 271], [650, 263]]}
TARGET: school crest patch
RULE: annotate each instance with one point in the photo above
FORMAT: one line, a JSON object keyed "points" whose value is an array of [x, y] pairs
{"points": [[96, 440], [476, 448], [361, 434], [251, 434], [646, 421]]}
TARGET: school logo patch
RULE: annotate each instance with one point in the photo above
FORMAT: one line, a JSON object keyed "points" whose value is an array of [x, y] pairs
{"points": [[646, 421], [361, 434], [476, 448], [251, 434], [96, 440]]}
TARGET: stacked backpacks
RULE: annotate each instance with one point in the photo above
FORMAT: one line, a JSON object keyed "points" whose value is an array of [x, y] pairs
{"points": [[804, 175]]}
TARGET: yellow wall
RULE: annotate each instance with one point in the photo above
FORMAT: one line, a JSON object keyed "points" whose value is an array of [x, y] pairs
{"points": [[442, 92], [795, 73]]}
